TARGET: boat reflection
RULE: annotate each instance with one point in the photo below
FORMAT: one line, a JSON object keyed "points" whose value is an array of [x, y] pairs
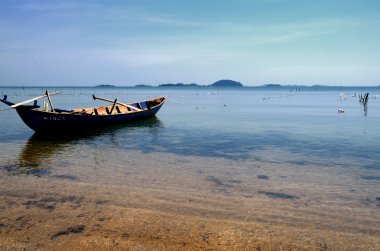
{"points": [[35, 157]]}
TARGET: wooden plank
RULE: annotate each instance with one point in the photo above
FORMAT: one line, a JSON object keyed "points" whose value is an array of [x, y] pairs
{"points": [[50, 103], [33, 99], [112, 101]]}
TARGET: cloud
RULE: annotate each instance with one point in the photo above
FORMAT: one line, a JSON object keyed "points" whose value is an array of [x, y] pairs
{"points": [[45, 7], [136, 58], [97, 11], [251, 34], [169, 21]]}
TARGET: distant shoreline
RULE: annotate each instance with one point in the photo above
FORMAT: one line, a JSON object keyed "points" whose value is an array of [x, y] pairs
{"points": [[220, 84], [185, 86]]}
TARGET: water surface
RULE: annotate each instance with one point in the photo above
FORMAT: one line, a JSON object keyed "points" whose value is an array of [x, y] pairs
{"points": [[243, 155]]}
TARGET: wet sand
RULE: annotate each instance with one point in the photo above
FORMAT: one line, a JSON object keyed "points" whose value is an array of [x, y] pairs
{"points": [[105, 218], [160, 201]]}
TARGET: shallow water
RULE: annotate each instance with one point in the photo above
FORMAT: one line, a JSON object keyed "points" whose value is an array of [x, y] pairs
{"points": [[249, 155]]}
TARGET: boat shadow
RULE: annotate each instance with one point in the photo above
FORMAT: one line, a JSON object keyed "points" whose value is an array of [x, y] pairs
{"points": [[40, 148]]}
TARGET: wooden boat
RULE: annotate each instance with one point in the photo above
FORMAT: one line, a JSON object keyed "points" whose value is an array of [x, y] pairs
{"points": [[58, 120]]}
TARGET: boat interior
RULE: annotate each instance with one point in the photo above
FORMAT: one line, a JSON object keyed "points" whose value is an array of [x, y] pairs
{"points": [[116, 108]]}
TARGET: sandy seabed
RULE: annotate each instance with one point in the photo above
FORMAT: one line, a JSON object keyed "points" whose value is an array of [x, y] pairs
{"points": [[186, 208]]}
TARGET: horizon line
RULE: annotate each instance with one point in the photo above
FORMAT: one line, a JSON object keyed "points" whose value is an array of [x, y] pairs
{"points": [[184, 85]]}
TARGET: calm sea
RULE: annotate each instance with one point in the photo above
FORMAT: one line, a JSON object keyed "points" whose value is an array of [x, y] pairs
{"points": [[228, 123], [275, 144]]}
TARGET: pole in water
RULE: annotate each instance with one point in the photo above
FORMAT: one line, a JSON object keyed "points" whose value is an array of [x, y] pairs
{"points": [[366, 98]]}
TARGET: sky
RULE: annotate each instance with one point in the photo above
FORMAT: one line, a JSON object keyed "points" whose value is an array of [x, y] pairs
{"points": [[129, 42]]}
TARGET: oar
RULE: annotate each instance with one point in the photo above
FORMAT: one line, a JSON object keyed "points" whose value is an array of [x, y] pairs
{"points": [[113, 101], [36, 98]]}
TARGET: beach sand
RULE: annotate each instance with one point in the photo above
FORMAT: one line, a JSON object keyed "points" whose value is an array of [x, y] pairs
{"points": [[54, 216], [183, 205]]}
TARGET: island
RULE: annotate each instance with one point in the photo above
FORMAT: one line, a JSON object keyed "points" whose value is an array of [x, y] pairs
{"points": [[143, 86], [272, 85], [105, 86], [221, 83], [180, 85], [226, 83]]}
